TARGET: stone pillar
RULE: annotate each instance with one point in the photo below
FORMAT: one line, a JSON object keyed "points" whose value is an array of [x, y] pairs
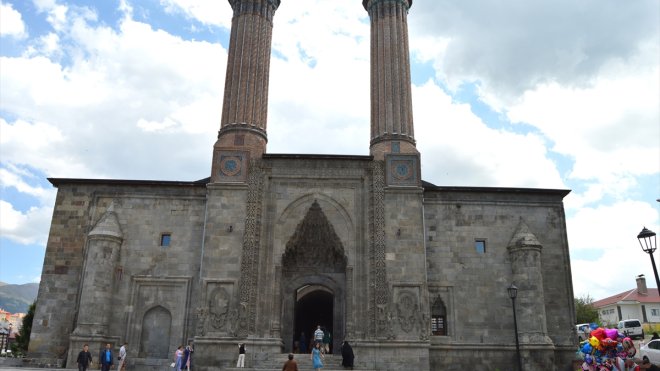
{"points": [[391, 96], [103, 244], [525, 252], [245, 105]]}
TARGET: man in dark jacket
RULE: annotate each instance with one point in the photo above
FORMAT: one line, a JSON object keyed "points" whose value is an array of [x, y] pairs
{"points": [[84, 358], [105, 358]]}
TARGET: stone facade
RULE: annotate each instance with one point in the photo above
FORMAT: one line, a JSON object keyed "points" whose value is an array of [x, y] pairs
{"points": [[269, 246]]}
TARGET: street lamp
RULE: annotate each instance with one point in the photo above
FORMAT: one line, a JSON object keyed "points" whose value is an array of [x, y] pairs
{"points": [[513, 292], [649, 244], [8, 336]]}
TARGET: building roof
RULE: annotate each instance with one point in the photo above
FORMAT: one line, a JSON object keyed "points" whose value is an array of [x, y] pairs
{"points": [[631, 296]]}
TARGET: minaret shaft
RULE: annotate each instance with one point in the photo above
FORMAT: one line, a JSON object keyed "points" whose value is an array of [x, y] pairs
{"points": [[392, 128], [245, 104]]}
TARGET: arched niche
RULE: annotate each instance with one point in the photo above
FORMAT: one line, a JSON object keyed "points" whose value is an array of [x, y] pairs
{"points": [[155, 337]]}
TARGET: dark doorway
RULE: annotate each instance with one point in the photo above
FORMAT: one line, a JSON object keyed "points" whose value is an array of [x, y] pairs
{"points": [[314, 306]]}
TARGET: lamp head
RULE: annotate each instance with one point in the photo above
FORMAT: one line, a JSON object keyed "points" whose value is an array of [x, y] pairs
{"points": [[513, 291], [647, 240]]}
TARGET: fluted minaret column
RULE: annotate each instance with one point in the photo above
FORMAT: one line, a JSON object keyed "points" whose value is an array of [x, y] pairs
{"points": [[245, 104], [391, 98], [525, 252], [103, 247]]}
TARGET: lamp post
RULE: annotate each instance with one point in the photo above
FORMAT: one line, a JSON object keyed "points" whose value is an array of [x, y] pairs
{"points": [[649, 244], [513, 292], [8, 336]]}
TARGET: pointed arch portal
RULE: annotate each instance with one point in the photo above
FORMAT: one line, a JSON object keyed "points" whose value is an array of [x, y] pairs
{"points": [[313, 280]]}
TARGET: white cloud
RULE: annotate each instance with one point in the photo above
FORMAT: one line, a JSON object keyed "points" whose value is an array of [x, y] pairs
{"points": [[11, 22], [610, 233], [459, 149], [30, 227], [215, 13]]}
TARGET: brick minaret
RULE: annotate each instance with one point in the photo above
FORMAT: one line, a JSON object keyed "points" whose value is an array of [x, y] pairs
{"points": [[245, 105], [391, 101]]}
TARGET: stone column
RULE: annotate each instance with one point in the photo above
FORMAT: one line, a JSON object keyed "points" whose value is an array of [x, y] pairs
{"points": [[525, 252], [245, 105], [391, 97], [103, 244]]}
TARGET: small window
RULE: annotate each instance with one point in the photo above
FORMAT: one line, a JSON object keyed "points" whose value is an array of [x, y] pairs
{"points": [[165, 239], [480, 246], [655, 312], [438, 318]]}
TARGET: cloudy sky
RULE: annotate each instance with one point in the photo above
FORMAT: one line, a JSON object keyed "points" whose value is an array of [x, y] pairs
{"points": [[521, 93]]}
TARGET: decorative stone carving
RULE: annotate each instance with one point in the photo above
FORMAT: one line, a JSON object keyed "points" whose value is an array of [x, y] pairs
{"points": [[406, 311], [202, 314], [314, 246], [250, 256], [219, 308], [381, 301]]}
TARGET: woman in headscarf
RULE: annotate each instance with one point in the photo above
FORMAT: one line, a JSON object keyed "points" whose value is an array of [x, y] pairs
{"points": [[347, 355]]}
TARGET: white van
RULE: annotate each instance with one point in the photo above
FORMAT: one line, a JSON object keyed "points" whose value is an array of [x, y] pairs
{"points": [[632, 328], [583, 331]]}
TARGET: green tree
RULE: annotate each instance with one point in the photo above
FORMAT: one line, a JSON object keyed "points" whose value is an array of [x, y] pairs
{"points": [[23, 337], [584, 310]]}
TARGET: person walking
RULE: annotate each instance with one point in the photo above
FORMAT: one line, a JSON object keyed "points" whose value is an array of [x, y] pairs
{"points": [[122, 357], [290, 365], [327, 339], [178, 357], [318, 335], [241, 356], [317, 357], [347, 355], [84, 358], [106, 358]]}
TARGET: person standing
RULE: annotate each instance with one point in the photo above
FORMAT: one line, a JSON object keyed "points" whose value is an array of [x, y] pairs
{"points": [[84, 358], [318, 335], [317, 357], [187, 357], [122, 357], [290, 365], [105, 358], [178, 356], [347, 355], [241, 356], [303, 343]]}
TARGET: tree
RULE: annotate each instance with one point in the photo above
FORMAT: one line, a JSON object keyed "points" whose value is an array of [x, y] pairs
{"points": [[584, 310], [23, 337]]}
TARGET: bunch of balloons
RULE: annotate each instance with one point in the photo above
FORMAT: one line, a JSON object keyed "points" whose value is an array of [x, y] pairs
{"points": [[603, 346]]}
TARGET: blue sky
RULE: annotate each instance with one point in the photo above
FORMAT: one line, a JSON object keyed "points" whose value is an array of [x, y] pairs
{"points": [[516, 94]]}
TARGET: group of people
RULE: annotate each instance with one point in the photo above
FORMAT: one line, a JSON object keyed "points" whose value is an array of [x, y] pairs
{"points": [[106, 358], [182, 358], [317, 357]]}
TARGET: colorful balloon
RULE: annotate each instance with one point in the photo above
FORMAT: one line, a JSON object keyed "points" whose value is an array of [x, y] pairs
{"points": [[595, 342]]}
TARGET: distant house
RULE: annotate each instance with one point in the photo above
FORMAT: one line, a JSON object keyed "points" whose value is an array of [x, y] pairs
{"points": [[639, 303]]}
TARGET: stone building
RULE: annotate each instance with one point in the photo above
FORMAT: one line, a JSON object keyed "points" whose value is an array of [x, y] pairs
{"points": [[270, 245]]}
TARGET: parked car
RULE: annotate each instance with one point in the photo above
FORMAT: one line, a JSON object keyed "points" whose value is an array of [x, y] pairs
{"points": [[631, 328], [583, 331], [650, 351]]}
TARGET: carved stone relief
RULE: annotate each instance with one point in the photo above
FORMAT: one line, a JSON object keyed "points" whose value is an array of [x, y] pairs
{"points": [[246, 307]]}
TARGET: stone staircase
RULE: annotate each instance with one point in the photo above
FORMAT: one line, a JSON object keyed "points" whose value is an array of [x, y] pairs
{"points": [[274, 362]]}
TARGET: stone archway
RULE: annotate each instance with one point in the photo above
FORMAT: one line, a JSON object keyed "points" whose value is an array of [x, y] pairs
{"points": [[313, 278]]}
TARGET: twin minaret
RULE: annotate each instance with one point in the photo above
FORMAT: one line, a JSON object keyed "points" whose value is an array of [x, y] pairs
{"points": [[245, 106]]}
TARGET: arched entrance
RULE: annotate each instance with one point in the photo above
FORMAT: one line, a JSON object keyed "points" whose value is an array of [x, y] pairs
{"points": [[313, 281], [314, 307]]}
